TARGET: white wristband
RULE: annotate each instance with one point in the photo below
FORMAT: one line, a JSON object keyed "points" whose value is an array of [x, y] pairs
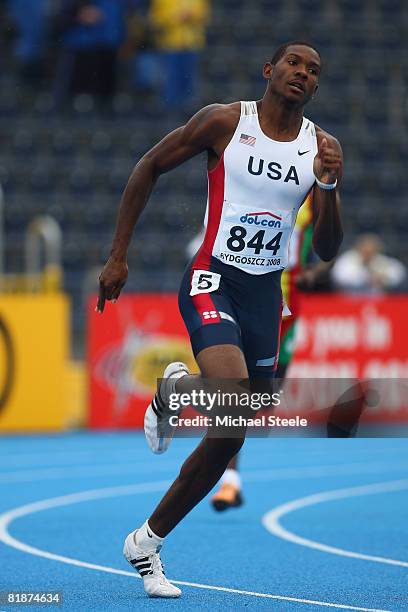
{"points": [[326, 186]]}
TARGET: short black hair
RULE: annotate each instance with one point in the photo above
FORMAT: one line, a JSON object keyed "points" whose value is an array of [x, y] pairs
{"points": [[280, 51]]}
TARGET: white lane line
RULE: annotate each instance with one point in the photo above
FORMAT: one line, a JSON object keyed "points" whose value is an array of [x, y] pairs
{"points": [[8, 517], [293, 473], [271, 520]]}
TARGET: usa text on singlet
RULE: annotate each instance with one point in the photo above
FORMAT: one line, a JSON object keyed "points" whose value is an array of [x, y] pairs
{"points": [[254, 194]]}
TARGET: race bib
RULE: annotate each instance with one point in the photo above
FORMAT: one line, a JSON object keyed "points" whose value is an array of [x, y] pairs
{"points": [[254, 240], [204, 281]]}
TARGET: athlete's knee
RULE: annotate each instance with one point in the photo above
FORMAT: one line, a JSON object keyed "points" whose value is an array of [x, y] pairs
{"points": [[222, 361]]}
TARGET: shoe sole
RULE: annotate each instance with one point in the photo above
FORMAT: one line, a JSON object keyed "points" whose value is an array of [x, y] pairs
{"points": [[161, 448], [220, 505], [172, 368], [163, 596]]}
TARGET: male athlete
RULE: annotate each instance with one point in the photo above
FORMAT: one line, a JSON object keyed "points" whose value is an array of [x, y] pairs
{"points": [[263, 159]]}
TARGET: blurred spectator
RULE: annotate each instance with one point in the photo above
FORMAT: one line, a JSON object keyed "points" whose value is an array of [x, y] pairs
{"points": [[365, 268], [90, 33], [179, 28], [140, 49], [29, 19]]}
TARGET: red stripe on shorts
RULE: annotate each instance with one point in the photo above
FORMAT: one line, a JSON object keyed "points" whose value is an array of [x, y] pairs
{"points": [[206, 308], [216, 182]]}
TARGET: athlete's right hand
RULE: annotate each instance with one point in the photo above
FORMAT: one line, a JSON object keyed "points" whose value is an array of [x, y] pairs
{"points": [[111, 282]]}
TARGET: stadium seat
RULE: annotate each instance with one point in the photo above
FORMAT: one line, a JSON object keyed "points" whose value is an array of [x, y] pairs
{"points": [[43, 104], [123, 104], [24, 143], [80, 180], [42, 177], [9, 102], [62, 142], [75, 165], [101, 143]]}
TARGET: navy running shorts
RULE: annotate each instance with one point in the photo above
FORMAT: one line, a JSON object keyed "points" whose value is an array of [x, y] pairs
{"points": [[224, 305]]}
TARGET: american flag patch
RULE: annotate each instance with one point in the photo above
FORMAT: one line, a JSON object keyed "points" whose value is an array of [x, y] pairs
{"points": [[249, 140]]}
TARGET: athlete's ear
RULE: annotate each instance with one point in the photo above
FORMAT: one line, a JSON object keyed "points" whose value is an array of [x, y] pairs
{"points": [[267, 70], [315, 91]]}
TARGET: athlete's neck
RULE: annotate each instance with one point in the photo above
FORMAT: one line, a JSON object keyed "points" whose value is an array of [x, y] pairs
{"points": [[279, 120]]}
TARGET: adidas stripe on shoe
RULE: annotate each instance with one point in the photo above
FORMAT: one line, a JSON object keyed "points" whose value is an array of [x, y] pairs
{"points": [[150, 567], [158, 430]]}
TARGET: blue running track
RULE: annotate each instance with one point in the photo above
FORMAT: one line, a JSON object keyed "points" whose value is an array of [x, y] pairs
{"points": [[324, 525]]}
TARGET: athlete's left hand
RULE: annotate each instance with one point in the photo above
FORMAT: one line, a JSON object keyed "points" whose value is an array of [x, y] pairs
{"points": [[327, 163]]}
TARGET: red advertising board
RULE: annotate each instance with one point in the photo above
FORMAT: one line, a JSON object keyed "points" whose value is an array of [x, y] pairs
{"points": [[129, 346], [352, 337], [337, 337]]}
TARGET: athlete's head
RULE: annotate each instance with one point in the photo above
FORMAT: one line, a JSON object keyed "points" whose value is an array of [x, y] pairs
{"points": [[293, 72]]}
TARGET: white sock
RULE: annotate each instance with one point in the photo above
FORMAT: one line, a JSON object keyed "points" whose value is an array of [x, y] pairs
{"points": [[147, 540], [231, 477]]}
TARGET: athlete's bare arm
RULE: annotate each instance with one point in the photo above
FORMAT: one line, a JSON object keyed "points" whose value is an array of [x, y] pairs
{"points": [[209, 130], [328, 167]]}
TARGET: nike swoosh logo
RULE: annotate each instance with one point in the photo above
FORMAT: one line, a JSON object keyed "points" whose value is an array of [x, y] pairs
{"points": [[303, 152], [149, 534]]}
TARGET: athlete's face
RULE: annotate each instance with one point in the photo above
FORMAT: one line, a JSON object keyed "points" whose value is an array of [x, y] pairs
{"points": [[296, 75]]}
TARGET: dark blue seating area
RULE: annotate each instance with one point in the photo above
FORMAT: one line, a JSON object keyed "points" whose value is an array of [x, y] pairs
{"points": [[74, 167]]}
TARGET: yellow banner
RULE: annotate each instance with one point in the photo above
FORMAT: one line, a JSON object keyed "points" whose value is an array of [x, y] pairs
{"points": [[34, 351]]}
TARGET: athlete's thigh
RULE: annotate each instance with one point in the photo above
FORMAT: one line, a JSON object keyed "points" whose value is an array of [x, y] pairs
{"points": [[260, 328], [208, 314]]}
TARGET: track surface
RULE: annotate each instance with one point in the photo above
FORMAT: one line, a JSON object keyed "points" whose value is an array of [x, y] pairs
{"points": [[323, 527]]}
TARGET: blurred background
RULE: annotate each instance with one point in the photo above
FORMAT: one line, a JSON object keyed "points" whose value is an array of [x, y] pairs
{"points": [[86, 88]]}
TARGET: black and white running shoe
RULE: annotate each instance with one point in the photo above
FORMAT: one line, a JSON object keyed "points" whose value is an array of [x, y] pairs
{"points": [[158, 430], [150, 567]]}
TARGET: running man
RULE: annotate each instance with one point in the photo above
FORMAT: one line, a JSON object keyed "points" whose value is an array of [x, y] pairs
{"points": [[264, 158]]}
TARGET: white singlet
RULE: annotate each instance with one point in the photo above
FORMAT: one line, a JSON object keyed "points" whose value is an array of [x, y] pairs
{"points": [[254, 194]]}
